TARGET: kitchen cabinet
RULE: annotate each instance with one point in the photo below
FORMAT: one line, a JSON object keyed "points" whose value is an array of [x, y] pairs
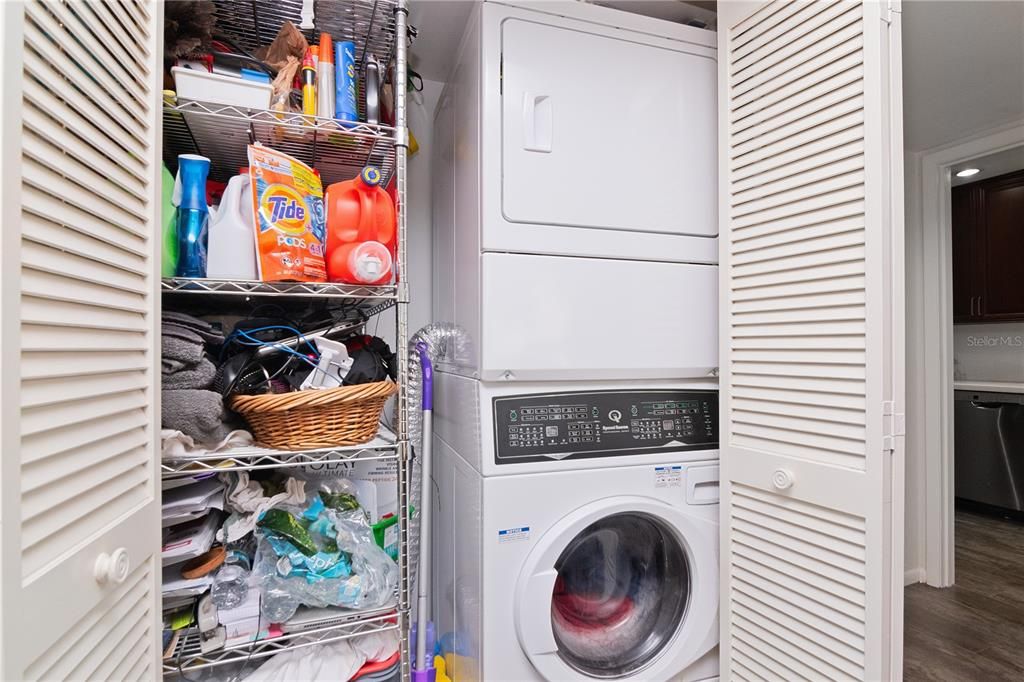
{"points": [[988, 239]]}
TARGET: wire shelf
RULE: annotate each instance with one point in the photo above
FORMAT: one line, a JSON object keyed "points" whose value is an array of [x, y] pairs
{"points": [[254, 458], [187, 656], [369, 24], [222, 133], [371, 300]]}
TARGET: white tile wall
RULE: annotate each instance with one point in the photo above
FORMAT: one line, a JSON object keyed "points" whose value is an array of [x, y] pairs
{"points": [[988, 352]]}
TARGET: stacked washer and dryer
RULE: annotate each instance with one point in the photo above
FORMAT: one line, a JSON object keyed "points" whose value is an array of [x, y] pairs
{"points": [[575, 528]]}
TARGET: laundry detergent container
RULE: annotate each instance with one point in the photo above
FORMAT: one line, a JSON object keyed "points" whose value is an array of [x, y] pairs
{"points": [[361, 230]]}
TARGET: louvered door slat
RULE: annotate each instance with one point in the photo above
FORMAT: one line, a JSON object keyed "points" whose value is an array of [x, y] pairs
{"points": [[96, 85], [53, 444], [129, 64], [773, 46], [43, 178], [55, 156], [82, 263], [128, 18], [47, 34], [50, 258], [44, 338], [807, 341], [813, 152], [39, 473], [84, 233], [64, 129], [770, 19], [796, 55]]}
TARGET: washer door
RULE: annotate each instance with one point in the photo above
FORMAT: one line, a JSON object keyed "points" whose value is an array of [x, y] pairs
{"points": [[622, 588]]}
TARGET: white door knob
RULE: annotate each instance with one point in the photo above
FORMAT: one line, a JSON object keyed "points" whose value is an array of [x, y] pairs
{"points": [[112, 568], [782, 479]]}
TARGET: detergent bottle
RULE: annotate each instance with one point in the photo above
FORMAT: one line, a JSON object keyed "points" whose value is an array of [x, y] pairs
{"points": [[361, 230], [169, 219], [232, 248], [193, 214]]}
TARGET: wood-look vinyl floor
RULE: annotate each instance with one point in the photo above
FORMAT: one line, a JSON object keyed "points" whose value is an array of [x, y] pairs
{"points": [[974, 630]]}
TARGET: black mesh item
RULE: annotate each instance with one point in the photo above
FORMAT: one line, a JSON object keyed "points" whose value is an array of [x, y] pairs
{"points": [[372, 360]]}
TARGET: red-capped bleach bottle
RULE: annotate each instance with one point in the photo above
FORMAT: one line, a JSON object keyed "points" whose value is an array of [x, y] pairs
{"points": [[361, 230]]}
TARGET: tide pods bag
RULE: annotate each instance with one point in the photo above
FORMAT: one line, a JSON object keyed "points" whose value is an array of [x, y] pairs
{"points": [[288, 209]]}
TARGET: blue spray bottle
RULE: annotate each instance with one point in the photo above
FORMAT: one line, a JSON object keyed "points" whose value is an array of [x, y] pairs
{"points": [[193, 214]]}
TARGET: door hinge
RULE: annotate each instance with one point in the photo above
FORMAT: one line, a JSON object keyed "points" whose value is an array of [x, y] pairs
{"points": [[894, 425], [892, 8]]}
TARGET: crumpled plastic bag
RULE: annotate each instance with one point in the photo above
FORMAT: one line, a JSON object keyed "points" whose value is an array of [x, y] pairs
{"points": [[323, 554]]}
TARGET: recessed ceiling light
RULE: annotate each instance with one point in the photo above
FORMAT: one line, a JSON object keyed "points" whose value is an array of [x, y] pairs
{"points": [[968, 172]]}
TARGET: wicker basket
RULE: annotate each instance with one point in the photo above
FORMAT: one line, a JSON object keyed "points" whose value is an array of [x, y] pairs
{"points": [[304, 420]]}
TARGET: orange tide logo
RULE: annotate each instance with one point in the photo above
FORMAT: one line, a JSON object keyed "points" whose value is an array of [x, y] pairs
{"points": [[283, 209]]}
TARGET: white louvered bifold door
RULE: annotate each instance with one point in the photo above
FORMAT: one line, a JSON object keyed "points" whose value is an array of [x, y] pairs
{"points": [[811, 340], [79, 347]]}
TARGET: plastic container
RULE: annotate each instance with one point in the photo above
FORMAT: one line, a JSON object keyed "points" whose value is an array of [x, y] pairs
{"points": [[193, 214], [361, 230], [232, 242], [231, 581], [217, 89], [169, 218], [345, 81], [325, 78]]}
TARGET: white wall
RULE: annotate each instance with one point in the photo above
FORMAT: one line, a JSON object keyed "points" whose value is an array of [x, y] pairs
{"points": [[989, 352], [419, 236]]}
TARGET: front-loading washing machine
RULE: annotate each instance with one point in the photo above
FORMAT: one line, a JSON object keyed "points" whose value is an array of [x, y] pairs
{"points": [[576, 530]]}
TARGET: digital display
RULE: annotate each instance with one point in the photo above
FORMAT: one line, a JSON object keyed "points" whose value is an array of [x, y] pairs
{"points": [[603, 423]]}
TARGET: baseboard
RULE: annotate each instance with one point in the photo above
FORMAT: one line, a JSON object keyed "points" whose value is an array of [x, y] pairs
{"points": [[912, 576]]}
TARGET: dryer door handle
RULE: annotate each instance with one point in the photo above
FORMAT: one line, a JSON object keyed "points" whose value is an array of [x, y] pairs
{"points": [[537, 122], [534, 622]]}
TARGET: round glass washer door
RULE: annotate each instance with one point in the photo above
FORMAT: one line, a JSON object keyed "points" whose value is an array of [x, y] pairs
{"points": [[620, 595]]}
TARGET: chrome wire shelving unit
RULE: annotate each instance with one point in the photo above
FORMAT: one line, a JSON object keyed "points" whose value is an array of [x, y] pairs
{"points": [[222, 132], [188, 657], [255, 458], [338, 151], [367, 300]]}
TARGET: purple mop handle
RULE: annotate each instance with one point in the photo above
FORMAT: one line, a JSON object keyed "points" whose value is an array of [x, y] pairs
{"points": [[428, 376]]}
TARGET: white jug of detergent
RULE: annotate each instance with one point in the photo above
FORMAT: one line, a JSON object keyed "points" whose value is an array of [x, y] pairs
{"points": [[231, 253]]}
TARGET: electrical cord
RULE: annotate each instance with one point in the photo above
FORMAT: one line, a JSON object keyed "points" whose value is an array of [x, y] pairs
{"points": [[247, 339]]}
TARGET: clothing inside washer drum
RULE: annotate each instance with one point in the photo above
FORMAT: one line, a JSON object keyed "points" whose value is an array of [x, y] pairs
{"points": [[620, 596]]}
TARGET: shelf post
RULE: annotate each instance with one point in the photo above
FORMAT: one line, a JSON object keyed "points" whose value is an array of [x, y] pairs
{"points": [[402, 333]]}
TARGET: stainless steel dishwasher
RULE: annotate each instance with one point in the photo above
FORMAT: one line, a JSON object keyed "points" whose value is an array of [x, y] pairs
{"points": [[988, 446]]}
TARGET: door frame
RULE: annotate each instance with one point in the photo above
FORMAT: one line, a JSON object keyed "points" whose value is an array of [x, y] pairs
{"points": [[934, 385]]}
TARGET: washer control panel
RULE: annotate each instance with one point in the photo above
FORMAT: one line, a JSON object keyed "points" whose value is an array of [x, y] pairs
{"points": [[602, 423]]}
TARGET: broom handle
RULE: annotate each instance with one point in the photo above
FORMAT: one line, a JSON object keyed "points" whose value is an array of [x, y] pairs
{"points": [[421, 661]]}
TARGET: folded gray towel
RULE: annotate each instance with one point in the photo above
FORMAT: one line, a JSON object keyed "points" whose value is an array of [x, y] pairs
{"points": [[212, 337], [207, 331], [199, 414], [172, 366], [197, 377], [178, 352]]}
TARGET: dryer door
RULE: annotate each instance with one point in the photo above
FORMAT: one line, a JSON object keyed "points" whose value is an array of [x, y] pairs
{"points": [[624, 588], [586, 118]]}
